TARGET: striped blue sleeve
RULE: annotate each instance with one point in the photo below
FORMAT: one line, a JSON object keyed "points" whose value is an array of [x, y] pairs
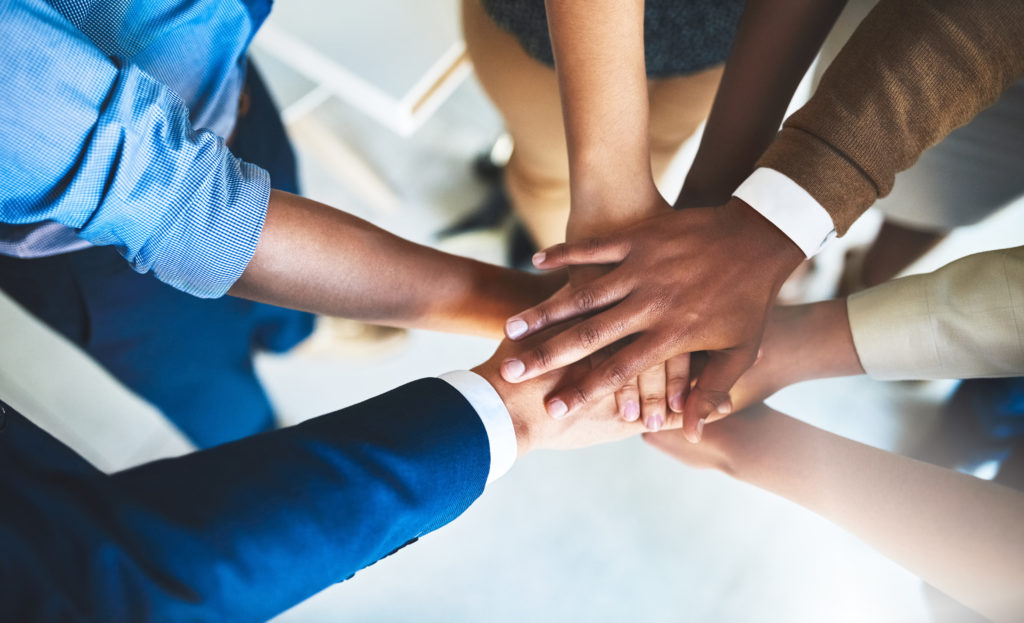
{"points": [[100, 146]]}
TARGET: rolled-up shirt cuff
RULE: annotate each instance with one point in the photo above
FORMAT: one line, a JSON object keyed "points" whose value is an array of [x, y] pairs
{"points": [[501, 435], [790, 208]]}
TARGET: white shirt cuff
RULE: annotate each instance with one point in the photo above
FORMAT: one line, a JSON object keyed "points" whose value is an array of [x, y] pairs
{"points": [[790, 208], [492, 411]]}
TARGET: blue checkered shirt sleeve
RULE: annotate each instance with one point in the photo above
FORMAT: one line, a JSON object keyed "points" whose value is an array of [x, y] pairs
{"points": [[97, 144]]}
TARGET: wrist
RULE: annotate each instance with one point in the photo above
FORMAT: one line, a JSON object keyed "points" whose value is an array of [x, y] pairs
{"points": [[806, 342], [606, 205], [521, 425], [821, 338], [764, 245]]}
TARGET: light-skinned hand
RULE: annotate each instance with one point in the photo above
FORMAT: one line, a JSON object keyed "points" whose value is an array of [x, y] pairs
{"points": [[596, 423]]}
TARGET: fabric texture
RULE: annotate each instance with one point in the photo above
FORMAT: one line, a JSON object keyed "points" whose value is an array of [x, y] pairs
{"points": [[964, 320], [191, 358], [911, 73], [680, 36], [239, 532], [494, 415], [129, 164]]}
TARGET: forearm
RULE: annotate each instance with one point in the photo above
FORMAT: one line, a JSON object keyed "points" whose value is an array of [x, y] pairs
{"points": [[961, 534], [599, 57], [316, 258], [801, 343], [775, 44], [912, 72], [812, 341]]}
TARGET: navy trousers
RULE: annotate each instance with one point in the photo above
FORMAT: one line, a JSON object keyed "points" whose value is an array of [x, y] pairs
{"points": [[191, 358]]}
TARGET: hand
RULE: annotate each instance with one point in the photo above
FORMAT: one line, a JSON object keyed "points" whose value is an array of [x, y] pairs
{"points": [[701, 279], [594, 424], [643, 397]]}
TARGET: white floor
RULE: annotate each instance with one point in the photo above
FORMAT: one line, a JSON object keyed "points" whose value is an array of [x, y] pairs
{"points": [[616, 533]]}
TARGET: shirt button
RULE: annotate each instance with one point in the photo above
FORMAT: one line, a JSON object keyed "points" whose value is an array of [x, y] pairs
{"points": [[3, 417]]}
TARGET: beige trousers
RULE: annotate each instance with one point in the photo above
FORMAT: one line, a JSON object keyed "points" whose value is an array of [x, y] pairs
{"points": [[525, 91]]}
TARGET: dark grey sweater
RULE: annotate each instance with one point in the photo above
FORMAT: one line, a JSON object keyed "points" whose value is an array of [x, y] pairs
{"points": [[680, 36]]}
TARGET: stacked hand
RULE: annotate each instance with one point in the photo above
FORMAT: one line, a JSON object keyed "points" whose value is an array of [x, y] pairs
{"points": [[696, 280], [594, 423], [643, 397]]}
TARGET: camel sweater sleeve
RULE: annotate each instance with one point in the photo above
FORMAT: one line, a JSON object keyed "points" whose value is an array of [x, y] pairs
{"points": [[913, 71]]}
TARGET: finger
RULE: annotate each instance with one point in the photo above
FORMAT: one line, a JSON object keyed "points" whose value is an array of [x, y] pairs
{"points": [[628, 401], [568, 302], [652, 397], [608, 377], [677, 381], [587, 251], [710, 396], [572, 345]]}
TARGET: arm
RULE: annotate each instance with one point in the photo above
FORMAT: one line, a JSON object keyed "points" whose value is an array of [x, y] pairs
{"points": [[249, 528], [124, 167], [775, 43], [316, 258], [602, 79], [960, 534]]}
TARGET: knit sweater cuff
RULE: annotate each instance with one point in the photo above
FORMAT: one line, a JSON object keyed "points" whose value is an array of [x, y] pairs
{"points": [[824, 172]]}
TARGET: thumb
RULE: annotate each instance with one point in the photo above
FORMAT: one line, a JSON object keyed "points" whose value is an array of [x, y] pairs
{"points": [[710, 396]]}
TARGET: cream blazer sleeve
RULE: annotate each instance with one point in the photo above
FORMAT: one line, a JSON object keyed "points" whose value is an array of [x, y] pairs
{"points": [[964, 320]]}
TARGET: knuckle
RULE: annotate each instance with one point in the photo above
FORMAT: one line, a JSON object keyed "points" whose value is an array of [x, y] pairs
{"points": [[584, 299], [541, 316], [617, 326], [542, 356], [617, 375], [579, 395], [588, 335], [592, 246]]}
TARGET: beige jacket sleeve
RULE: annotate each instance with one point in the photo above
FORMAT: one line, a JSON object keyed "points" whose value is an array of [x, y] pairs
{"points": [[964, 320], [912, 72]]}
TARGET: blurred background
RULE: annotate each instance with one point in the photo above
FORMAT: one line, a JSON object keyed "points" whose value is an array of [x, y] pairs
{"points": [[389, 122]]}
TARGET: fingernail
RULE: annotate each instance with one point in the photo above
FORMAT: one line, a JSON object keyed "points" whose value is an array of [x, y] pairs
{"points": [[654, 423], [631, 411], [512, 369], [557, 409], [675, 402], [725, 408], [516, 327], [538, 258], [700, 429]]}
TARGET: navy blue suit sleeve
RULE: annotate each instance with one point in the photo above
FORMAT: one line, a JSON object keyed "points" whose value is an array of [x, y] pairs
{"points": [[238, 532]]}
